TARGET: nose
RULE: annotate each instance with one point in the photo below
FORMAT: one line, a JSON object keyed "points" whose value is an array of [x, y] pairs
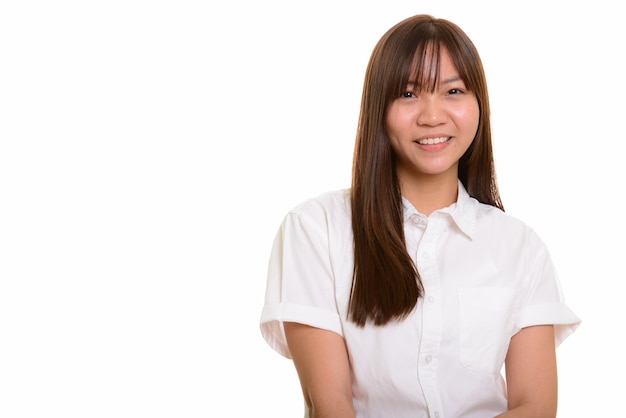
{"points": [[432, 111]]}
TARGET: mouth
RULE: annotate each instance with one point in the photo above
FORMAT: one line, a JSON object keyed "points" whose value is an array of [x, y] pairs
{"points": [[433, 141]]}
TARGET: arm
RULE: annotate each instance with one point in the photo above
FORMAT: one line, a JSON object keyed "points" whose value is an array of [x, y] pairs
{"points": [[321, 360], [531, 374]]}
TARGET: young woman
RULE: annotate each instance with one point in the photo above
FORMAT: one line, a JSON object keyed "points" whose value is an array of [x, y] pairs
{"points": [[407, 294]]}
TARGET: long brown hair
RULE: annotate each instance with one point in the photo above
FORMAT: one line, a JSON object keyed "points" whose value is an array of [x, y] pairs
{"points": [[386, 283]]}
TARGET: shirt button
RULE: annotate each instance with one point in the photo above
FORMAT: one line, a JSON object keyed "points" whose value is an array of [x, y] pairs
{"points": [[431, 299], [428, 359], [426, 256], [436, 414]]}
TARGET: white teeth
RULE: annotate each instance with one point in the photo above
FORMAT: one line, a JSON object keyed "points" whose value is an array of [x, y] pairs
{"points": [[431, 141]]}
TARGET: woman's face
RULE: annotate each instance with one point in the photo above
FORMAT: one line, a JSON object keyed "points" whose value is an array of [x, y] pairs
{"points": [[430, 131]]}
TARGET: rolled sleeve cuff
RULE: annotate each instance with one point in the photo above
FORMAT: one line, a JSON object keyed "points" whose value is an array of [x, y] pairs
{"points": [[563, 318], [274, 315]]}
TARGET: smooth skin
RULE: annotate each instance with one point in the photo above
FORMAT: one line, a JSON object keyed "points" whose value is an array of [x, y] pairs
{"points": [[531, 374], [321, 360], [428, 175]]}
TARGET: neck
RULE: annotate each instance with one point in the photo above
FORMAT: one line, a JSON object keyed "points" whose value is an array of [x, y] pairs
{"points": [[431, 193]]}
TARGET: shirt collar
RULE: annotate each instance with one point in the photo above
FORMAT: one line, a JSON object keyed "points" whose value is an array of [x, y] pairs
{"points": [[463, 211]]}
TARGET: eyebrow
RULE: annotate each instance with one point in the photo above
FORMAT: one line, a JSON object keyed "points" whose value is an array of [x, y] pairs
{"points": [[450, 80], [453, 79]]}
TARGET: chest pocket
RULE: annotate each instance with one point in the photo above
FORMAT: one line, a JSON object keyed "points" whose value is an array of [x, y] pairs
{"points": [[486, 320]]}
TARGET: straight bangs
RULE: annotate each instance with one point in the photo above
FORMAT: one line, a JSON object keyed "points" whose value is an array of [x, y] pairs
{"points": [[417, 65], [424, 72], [467, 62], [418, 59]]}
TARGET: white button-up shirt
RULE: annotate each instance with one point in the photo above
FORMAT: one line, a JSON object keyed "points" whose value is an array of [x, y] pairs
{"points": [[486, 276]]}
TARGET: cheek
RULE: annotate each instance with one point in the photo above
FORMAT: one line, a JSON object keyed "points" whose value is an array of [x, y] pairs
{"points": [[393, 129], [398, 121], [468, 117], [473, 119], [392, 122]]}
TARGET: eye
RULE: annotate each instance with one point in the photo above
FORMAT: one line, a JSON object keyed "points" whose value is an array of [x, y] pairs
{"points": [[408, 94], [452, 92]]}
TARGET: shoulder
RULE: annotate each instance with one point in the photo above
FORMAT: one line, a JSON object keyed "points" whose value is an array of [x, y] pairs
{"points": [[505, 227], [332, 204], [320, 219], [492, 214], [500, 217]]}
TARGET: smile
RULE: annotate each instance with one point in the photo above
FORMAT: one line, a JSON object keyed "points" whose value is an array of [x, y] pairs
{"points": [[432, 141]]}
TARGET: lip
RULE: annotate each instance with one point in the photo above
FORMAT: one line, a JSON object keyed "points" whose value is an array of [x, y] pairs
{"points": [[433, 140], [434, 146]]}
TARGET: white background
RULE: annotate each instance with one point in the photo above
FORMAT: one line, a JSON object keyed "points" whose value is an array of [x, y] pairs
{"points": [[149, 150]]}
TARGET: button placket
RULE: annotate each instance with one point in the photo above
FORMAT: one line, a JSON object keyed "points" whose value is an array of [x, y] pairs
{"points": [[432, 315]]}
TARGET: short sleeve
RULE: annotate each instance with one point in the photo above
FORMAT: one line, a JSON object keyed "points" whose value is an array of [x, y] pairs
{"points": [[300, 283], [543, 301]]}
